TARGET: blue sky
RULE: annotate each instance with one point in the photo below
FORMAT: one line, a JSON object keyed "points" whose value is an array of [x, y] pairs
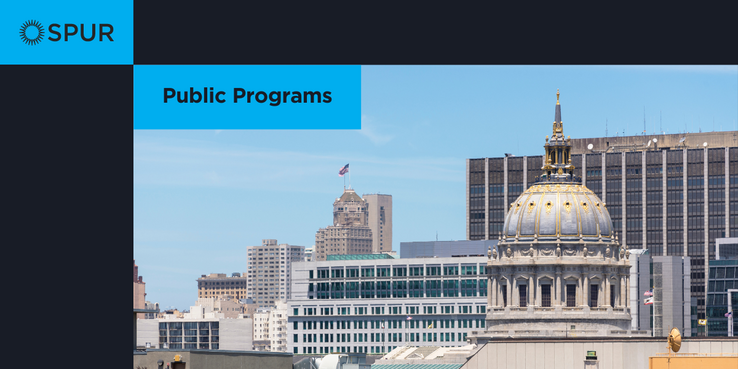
{"points": [[201, 197]]}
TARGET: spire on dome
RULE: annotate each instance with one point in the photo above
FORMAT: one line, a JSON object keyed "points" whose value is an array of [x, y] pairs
{"points": [[557, 165]]}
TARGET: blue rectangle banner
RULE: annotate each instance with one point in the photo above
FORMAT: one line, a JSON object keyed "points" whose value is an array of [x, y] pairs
{"points": [[246, 97]]}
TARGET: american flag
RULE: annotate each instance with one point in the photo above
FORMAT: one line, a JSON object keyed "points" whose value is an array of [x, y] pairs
{"points": [[729, 314], [409, 318], [648, 293], [343, 171]]}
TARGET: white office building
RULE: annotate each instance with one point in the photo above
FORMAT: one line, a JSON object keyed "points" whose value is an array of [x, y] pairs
{"points": [[373, 305]]}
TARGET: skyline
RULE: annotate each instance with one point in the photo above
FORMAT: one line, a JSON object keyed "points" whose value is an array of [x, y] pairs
{"points": [[201, 197]]}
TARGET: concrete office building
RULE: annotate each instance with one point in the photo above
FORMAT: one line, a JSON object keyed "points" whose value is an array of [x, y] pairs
{"points": [[363, 305], [201, 329], [669, 277], [268, 276], [380, 221], [672, 194], [445, 249], [350, 232], [219, 285]]}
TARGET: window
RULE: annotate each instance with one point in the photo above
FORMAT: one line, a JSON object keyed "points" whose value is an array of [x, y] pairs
{"points": [[523, 295], [546, 295], [571, 295], [593, 290]]}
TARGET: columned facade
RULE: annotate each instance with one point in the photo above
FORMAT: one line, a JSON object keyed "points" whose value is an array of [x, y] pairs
{"points": [[558, 265]]}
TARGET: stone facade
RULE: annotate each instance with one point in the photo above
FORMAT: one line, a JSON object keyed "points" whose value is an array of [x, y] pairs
{"points": [[350, 232], [557, 264]]}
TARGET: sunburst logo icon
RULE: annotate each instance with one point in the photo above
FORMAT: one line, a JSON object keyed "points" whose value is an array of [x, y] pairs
{"points": [[31, 32]]}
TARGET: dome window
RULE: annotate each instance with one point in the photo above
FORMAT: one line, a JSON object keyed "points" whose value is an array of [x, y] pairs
{"points": [[531, 206]]}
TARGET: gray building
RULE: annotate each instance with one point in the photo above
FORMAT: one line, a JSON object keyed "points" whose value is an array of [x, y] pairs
{"points": [[445, 249], [196, 334], [669, 277], [375, 305], [672, 194]]}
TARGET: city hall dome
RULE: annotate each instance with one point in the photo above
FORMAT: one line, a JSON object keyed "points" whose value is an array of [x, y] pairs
{"points": [[558, 206], [558, 263], [565, 210]]}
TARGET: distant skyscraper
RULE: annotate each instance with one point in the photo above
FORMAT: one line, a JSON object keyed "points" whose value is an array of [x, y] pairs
{"points": [[380, 221], [268, 275], [350, 232]]}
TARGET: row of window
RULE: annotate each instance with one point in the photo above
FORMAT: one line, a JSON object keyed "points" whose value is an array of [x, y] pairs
{"points": [[380, 337], [391, 310], [389, 324], [401, 271], [398, 289]]}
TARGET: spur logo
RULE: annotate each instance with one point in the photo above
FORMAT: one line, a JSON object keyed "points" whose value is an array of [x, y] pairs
{"points": [[32, 32]]}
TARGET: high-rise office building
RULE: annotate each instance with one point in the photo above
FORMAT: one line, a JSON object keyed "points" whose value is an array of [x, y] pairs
{"points": [[671, 194], [350, 232], [268, 276], [380, 221]]}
